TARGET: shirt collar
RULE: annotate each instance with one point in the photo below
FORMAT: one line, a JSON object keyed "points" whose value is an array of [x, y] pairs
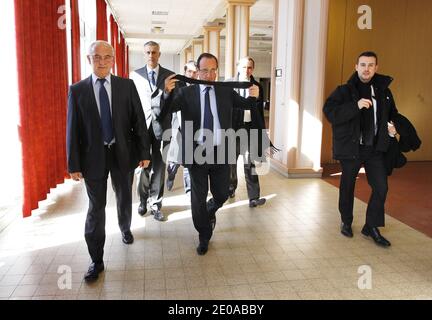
{"points": [[95, 78], [204, 86], [156, 70]]}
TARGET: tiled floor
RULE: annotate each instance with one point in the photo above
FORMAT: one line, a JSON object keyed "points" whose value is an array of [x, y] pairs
{"points": [[289, 249]]}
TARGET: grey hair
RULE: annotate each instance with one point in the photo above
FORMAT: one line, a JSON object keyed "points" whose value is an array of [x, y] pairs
{"points": [[96, 43], [189, 65], [152, 44]]}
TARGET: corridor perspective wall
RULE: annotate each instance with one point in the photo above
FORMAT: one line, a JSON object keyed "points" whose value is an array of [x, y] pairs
{"points": [[401, 35]]}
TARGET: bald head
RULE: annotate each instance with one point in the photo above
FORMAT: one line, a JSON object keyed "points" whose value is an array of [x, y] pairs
{"points": [[101, 58]]}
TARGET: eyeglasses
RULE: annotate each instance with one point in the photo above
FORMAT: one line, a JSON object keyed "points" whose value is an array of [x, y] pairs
{"points": [[98, 58], [206, 71]]}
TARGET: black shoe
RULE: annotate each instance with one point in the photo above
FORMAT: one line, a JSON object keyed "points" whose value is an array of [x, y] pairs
{"points": [[127, 237], [142, 208], [158, 215], [376, 236], [256, 202], [202, 248], [231, 194], [170, 182], [346, 230], [93, 271]]}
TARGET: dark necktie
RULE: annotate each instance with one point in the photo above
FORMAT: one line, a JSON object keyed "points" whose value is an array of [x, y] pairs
{"points": [[105, 113], [153, 79], [208, 116]]}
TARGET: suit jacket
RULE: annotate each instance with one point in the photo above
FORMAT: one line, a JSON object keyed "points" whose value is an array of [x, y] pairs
{"points": [[151, 106], [187, 100], [84, 140], [258, 121], [408, 140], [257, 150], [174, 154]]}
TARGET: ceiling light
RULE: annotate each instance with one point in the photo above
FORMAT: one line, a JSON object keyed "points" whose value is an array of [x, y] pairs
{"points": [[160, 13]]}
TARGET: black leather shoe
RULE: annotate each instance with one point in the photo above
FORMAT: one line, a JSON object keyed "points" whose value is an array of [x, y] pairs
{"points": [[256, 202], [142, 209], [127, 237], [158, 215], [346, 230], [93, 271], [202, 248], [376, 236]]}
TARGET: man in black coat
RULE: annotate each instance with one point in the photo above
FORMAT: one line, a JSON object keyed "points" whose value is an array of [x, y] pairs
{"points": [[244, 119], [106, 134], [206, 112], [360, 113]]}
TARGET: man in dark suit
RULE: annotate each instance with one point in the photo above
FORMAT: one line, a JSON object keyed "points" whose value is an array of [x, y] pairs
{"points": [[106, 134], [206, 111], [244, 119], [360, 113], [150, 83]]}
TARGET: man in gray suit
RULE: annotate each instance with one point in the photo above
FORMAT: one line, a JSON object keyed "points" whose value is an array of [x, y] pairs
{"points": [[150, 81]]}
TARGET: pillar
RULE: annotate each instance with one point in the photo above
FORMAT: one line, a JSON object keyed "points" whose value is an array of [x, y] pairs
{"points": [[237, 33]]}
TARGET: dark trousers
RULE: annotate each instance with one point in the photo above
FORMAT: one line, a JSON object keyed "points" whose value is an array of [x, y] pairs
{"points": [[252, 181], [373, 163], [203, 211], [152, 179], [172, 169], [97, 191]]}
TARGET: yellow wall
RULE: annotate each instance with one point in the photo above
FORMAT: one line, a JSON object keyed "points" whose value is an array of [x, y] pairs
{"points": [[401, 35]]}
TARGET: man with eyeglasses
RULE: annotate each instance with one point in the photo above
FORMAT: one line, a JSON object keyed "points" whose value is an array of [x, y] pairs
{"points": [[208, 110], [106, 134], [150, 82]]}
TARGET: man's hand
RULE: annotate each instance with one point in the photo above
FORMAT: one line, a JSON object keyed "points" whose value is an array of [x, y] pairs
{"points": [[76, 176], [364, 103], [170, 83], [391, 129], [254, 91], [144, 163]]}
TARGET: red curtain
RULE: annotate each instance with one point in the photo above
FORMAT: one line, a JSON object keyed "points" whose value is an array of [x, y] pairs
{"points": [[126, 75], [114, 38], [101, 17], [120, 56], [43, 83], [76, 42]]}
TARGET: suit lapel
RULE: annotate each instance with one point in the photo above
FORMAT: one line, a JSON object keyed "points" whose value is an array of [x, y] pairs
{"points": [[145, 72], [196, 100], [114, 100], [163, 73], [219, 99], [93, 108]]}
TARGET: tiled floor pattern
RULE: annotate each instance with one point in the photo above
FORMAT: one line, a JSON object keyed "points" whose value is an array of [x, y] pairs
{"points": [[290, 248]]}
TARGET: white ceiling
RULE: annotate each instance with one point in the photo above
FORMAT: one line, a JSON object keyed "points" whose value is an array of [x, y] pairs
{"points": [[184, 21]]}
